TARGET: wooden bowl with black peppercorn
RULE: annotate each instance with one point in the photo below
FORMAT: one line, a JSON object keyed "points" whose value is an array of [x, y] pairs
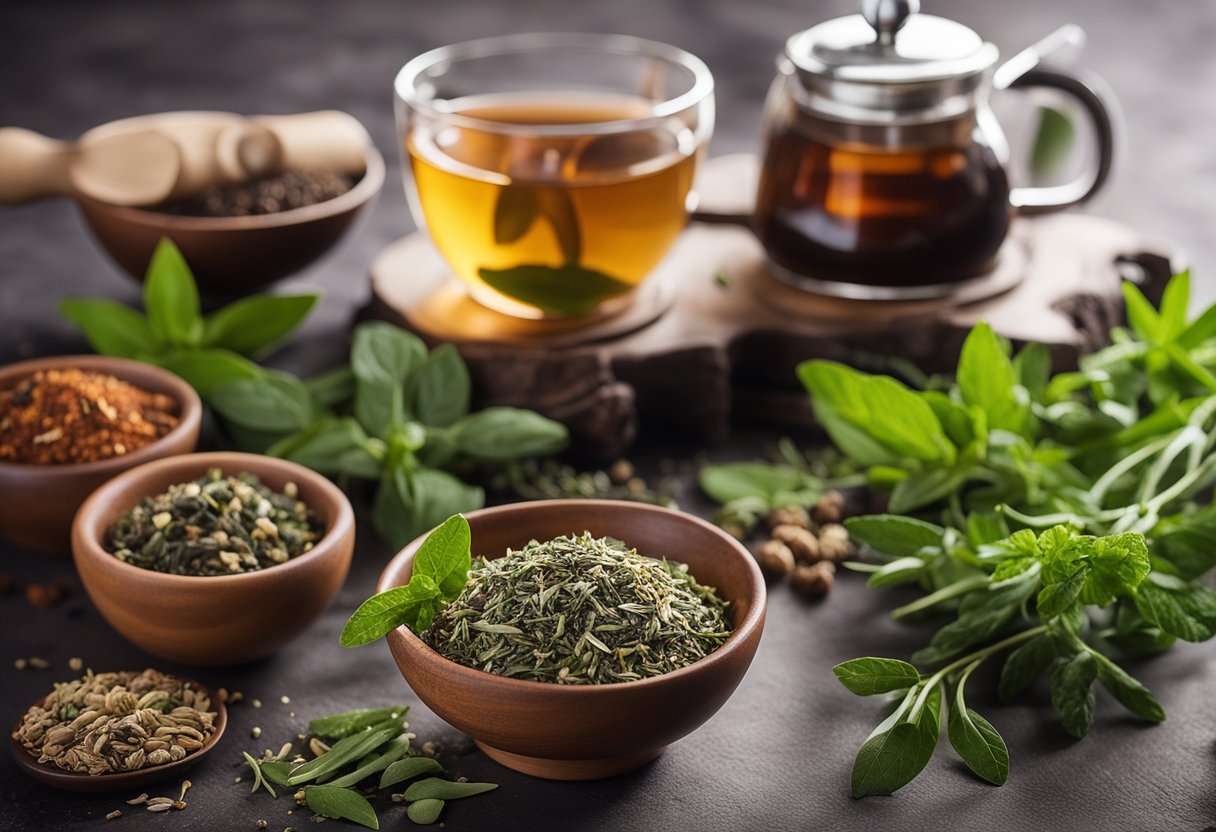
{"points": [[40, 500], [214, 619]]}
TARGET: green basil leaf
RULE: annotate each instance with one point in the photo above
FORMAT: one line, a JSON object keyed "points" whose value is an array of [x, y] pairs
{"points": [[253, 325], [424, 812], [987, 379], [1144, 320], [437, 495], [898, 571], [737, 480], [171, 298], [1175, 301], [892, 758], [380, 408], [334, 447], [340, 803], [111, 328], [445, 556], [1184, 610], [339, 725], [207, 369], [408, 769], [388, 610], [1130, 692], [276, 402], [441, 388], [868, 676], [384, 355], [332, 388], [498, 434], [393, 514], [1032, 367], [569, 290], [1055, 598], [1024, 664], [895, 535], [433, 788], [1072, 693], [978, 743]]}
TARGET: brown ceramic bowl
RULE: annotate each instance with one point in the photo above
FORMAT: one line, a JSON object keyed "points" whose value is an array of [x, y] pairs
{"points": [[222, 619], [120, 781], [569, 732], [41, 500], [233, 256]]}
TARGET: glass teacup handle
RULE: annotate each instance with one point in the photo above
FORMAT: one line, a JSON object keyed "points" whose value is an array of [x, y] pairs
{"points": [[1024, 70]]}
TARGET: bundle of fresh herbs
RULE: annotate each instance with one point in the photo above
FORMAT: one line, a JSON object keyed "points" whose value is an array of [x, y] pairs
{"points": [[1053, 519]]}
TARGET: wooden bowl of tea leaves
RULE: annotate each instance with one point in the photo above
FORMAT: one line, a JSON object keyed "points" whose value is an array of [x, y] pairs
{"points": [[588, 722], [215, 558]]}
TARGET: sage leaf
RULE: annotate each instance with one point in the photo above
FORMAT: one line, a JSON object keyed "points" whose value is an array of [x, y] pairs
{"points": [[1024, 664], [895, 535], [445, 556], [346, 750], [111, 328], [441, 388], [274, 402], [569, 290], [739, 480], [337, 726], [1184, 610], [1072, 693], [978, 743], [171, 298], [388, 610], [1130, 693], [408, 769], [868, 676], [434, 788], [391, 753], [276, 771], [515, 210], [891, 759], [253, 325], [498, 434], [426, 811], [207, 369], [342, 804]]}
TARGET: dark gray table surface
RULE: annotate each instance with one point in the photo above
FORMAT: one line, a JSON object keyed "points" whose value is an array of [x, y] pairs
{"points": [[778, 755]]}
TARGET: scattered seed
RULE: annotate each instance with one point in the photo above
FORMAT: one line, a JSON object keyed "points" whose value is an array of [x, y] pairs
{"points": [[235, 696], [186, 784], [135, 801], [255, 732], [236, 779], [160, 807], [39, 663], [115, 815], [181, 804], [286, 700], [20, 664], [814, 580], [775, 559], [788, 516], [261, 824], [257, 703], [76, 664], [161, 801], [834, 542]]}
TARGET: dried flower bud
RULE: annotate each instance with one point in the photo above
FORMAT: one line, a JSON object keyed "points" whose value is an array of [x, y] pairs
{"points": [[801, 542], [830, 508], [775, 559], [834, 543], [788, 516], [813, 580]]}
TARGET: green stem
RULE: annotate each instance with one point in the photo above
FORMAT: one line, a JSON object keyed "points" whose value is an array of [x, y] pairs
{"points": [[944, 594]]}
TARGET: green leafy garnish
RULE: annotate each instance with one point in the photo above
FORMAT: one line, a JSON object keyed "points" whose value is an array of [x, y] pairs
{"points": [[566, 290], [341, 803]]}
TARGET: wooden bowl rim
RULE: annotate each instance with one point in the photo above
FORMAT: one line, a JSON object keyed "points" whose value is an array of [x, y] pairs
{"points": [[52, 775], [367, 187], [86, 542], [189, 404], [740, 636]]}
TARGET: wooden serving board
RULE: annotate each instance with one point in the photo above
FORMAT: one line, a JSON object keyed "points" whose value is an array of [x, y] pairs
{"points": [[693, 353]]}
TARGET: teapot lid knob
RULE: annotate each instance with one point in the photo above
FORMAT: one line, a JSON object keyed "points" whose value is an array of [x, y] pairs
{"points": [[886, 17]]}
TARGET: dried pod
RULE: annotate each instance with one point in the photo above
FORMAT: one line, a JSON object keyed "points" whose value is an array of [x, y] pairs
{"points": [[829, 508], [788, 516], [801, 542], [815, 579], [834, 543], [775, 559]]}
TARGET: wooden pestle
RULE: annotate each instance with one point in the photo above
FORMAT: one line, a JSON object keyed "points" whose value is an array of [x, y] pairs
{"points": [[149, 159]]}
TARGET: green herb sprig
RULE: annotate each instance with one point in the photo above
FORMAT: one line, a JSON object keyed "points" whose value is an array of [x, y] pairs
{"points": [[1056, 525], [206, 350]]}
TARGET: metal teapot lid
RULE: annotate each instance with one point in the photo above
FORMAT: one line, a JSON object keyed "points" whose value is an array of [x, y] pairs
{"points": [[886, 48]]}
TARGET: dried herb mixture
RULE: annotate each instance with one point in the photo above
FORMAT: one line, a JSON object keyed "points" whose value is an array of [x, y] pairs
{"points": [[216, 525], [579, 610]]}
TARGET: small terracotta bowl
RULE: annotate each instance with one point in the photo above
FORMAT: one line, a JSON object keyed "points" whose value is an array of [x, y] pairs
{"points": [[233, 256], [574, 732], [120, 781], [221, 619], [41, 500]]}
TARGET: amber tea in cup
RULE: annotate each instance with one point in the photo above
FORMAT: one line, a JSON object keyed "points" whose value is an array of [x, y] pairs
{"points": [[559, 171]]}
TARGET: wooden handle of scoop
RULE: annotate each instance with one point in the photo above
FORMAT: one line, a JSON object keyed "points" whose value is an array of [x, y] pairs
{"points": [[326, 140], [33, 166]]}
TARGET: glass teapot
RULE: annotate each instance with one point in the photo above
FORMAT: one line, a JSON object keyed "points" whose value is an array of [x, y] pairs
{"points": [[884, 171]]}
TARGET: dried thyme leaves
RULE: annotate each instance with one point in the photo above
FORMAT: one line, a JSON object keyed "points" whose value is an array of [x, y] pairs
{"points": [[216, 525], [579, 610], [112, 722]]}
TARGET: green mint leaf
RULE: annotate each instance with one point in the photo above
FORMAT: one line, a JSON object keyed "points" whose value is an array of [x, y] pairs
{"points": [[334, 447], [1187, 611], [388, 610], [339, 725], [965, 425], [384, 355], [1053, 140], [424, 812], [1144, 320], [1130, 692], [1055, 598], [276, 402], [569, 290], [433, 788], [1072, 693], [332, 388], [1024, 664], [408, 769], [515, 211], [1188, 543], [737, 480], [1175, 301], [986, 379], [441, 388], [251, 326], [207, 369], [923, 489], [890, 759], [341, 803], [1032, 367], [982, 615], [899, 571], [111, 328], [985, 527], [393, 514], [895, 535], [978, 743], [445, 556], [498, 434], [868, 676], [1118, 564], [171, 298]]}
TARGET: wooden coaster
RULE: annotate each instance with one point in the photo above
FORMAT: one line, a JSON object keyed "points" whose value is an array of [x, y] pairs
{"points": [[693, 350]]}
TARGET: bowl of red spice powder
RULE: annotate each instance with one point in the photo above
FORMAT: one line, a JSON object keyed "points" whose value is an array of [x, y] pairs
{"points": [[72, 422]]}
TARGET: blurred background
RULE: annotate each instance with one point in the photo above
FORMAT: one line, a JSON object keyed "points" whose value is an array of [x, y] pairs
{"points": [[67, 66]]}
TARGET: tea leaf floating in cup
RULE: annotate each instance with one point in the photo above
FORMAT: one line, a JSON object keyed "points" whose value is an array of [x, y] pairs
{"points": [[566, 290]]}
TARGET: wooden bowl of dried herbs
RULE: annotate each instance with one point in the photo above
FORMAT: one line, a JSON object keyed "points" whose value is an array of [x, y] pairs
{"points": [[592, 697], [72, 422], [214, 559]]}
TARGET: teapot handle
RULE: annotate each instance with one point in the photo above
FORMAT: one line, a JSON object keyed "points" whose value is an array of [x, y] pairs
{"points": [[1043, 199]]}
